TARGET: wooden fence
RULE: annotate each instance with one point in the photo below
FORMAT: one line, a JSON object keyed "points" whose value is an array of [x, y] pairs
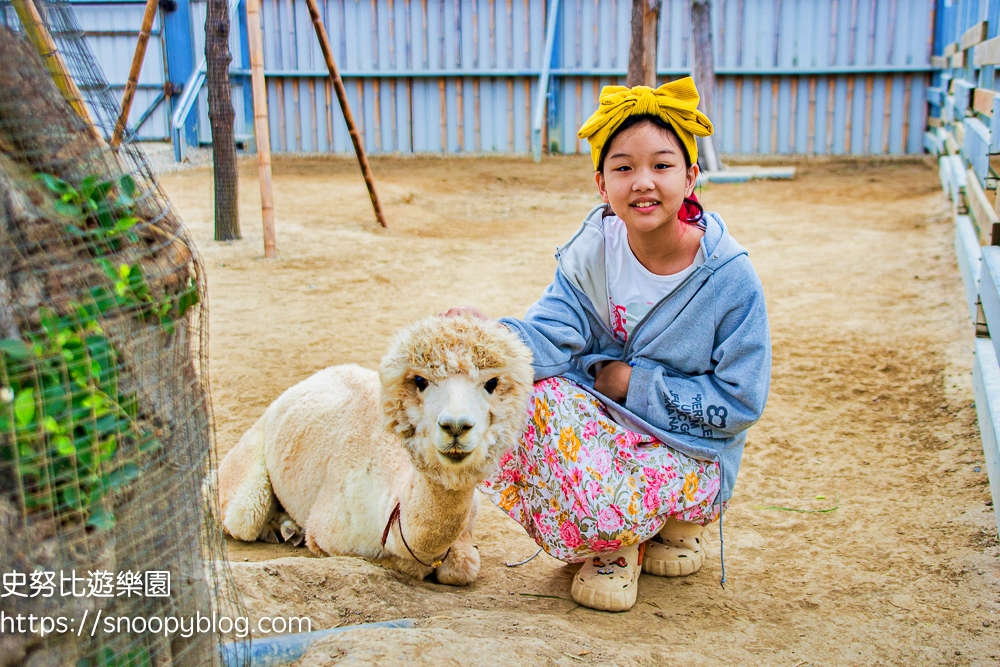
{"points": [[964, 132]]}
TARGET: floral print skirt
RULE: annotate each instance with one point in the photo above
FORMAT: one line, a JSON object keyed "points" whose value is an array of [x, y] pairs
{"points": [[581, 484]]}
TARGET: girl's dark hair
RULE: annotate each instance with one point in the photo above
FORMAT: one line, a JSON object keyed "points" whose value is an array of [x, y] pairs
{"points": [[691, 211]]}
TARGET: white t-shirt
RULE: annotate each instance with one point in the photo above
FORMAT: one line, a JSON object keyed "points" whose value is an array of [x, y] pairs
{"points": [[632, 289]]}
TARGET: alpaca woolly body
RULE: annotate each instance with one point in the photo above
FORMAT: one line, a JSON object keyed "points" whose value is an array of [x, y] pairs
{"points": [[340, 449]]}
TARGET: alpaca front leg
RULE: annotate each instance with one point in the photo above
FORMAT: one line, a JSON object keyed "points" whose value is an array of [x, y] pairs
{"points": [[461, 567]]}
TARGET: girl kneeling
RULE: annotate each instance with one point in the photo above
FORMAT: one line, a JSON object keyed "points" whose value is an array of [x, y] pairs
{"points": [[652, 358]]}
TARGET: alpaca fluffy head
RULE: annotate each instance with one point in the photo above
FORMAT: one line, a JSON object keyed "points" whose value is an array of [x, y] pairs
{"points": [[455, 390]]}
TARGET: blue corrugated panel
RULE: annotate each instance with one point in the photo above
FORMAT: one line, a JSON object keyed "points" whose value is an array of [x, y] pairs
{"points": [[796, 76]]}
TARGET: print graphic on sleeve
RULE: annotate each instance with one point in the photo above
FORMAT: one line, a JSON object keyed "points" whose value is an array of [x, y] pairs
{"points": [[691, 418]]}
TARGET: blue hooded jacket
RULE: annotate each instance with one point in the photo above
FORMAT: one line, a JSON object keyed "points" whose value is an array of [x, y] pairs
{"points": [[701, 357]]}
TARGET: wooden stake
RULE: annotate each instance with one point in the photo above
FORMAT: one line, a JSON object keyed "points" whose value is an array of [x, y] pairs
{"points": [[888, 86], [296, 114], [811, 127], [409, 110], [38, 35], [394, 112], [255, 42], [312, 115], [527, 113], [737, 115], [848, 115], [907, 95], [443, 103], [793, 115], [831, 100], [756, 114], [510, 115], [338, 86], [579, 110], [279, 90], [133, 74], [774, 114], [377, 112], [476, 116], [869, 86], [329, 114], [460, 113]]}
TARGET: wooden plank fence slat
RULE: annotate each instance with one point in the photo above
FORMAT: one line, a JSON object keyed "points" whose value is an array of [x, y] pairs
{"points": [[989, 291], [957, 61], [962, 93], [976, 147], [986, 384], [950, 144], [987, 53], [973, 36], [944, 174], [982, 212], [936, 96], [968, 252], [951, 49], [995, 126], [957, 179], [932, 143], [982, 101]]}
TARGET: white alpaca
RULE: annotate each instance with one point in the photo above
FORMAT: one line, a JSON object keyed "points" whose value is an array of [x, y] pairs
{"points": [[341, 451]]}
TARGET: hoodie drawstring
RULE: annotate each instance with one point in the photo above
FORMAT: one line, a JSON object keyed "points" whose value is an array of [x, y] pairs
{"points": [[722, 542]]}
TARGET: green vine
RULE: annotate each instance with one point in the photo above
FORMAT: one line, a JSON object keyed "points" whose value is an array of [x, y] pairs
{"points": [[61, 407]]}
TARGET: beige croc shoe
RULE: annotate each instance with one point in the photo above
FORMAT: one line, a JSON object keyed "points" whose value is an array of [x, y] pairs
{"points": [[677, 550], [609, 582]]}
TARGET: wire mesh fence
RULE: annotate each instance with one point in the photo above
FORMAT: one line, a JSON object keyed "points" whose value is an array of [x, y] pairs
{"points": [[107, 505]]}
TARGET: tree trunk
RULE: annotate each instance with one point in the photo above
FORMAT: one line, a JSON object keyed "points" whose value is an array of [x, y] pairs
{"points": [[221, 114], [704, 75], [642, 48]]}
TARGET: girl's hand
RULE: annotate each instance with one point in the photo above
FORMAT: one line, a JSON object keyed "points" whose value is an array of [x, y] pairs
{"points": [[463, 310], [612, 380]]}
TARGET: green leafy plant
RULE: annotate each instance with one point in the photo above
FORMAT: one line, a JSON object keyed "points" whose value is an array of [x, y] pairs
{"points": [[102, 210], [67, 418], [131, 291], [64, 420]]}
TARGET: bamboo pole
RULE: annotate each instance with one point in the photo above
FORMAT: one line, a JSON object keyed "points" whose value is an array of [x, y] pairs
{"points": [[41, 39], [338, 86], [261, 130], [133, 75]]}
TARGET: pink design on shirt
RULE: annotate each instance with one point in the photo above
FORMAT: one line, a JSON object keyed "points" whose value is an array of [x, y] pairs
{"points": [[618, 321]]}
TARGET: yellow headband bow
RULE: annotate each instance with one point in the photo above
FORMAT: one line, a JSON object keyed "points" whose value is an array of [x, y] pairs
{"points": [[675, 102]]}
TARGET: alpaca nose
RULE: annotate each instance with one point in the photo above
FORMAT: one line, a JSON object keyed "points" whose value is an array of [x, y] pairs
{"points": [[456, 427]]}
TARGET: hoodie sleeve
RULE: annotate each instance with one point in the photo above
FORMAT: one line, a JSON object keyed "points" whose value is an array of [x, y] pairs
{"points": [[723, 402], [555, 329]]}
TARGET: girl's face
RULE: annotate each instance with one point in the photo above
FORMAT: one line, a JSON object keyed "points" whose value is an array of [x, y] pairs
{"points": [[645, 179]]}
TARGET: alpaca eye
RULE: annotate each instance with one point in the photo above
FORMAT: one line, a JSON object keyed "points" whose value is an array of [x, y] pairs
{"points": [[420, 382], [490, 386]]}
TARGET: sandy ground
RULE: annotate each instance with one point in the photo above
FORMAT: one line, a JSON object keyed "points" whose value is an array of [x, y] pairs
{"points": [[871, 408]]}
